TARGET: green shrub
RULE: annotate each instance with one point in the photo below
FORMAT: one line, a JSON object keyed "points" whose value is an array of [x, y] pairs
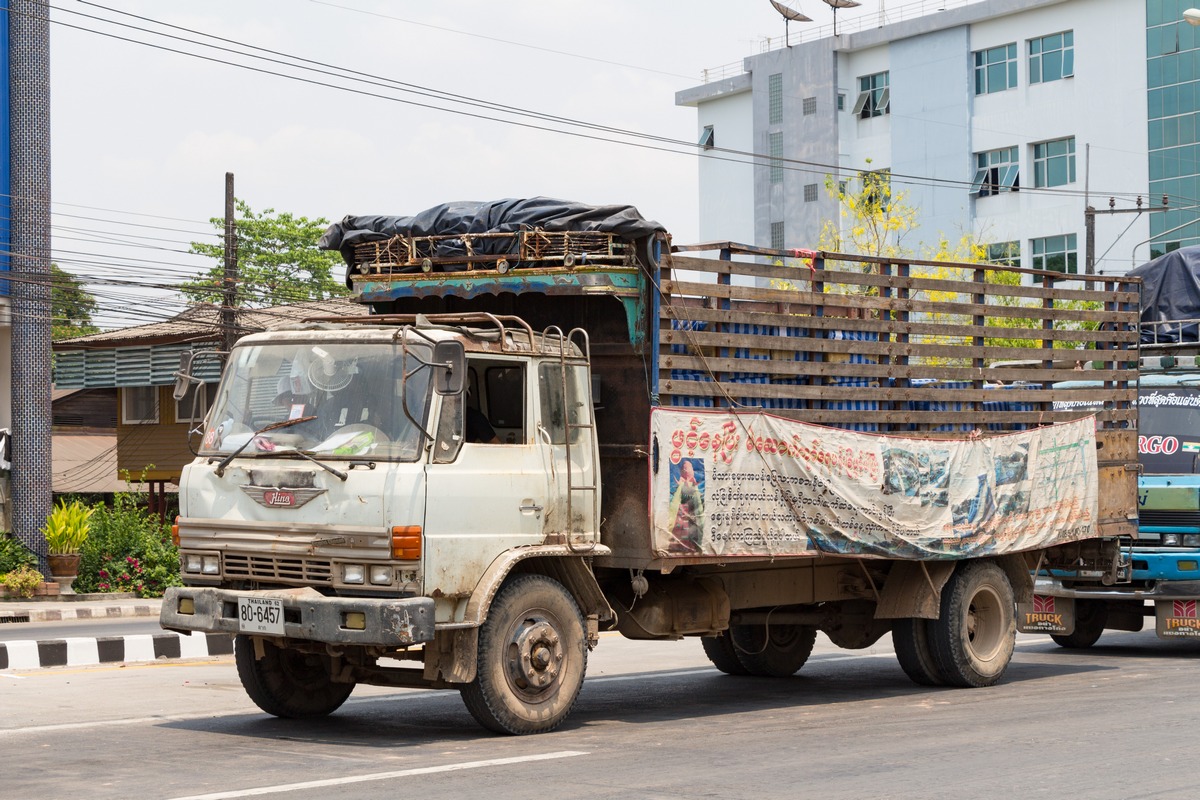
{"points": [[23, 581], [128, 550], [14, 554], [66, 528]]}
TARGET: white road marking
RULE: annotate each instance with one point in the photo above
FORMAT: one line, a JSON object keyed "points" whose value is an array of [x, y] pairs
{"points": [[379, 776]]}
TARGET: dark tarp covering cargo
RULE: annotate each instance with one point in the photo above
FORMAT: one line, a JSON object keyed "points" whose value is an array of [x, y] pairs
{"points": [[468, 219], [1170, 291]]}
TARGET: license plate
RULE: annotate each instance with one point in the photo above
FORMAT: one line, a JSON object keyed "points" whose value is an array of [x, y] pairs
{"points": [[260, 615]]}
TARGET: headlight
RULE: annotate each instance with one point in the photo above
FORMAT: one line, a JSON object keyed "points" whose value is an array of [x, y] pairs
{"points": [[352, 573], [381, 574], [1191, 540], [210, 565], [1170, 539], [191, 562]]}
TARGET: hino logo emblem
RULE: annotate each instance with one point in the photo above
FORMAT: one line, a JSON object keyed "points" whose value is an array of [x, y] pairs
{"points": [[281, 497]]}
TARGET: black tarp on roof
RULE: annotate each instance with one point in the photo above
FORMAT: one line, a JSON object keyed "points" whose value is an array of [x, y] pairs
{"points": [[498, 216], [1170, 291]]}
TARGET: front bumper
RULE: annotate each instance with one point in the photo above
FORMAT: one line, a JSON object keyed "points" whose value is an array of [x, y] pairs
{"points": [[1163, 590], [307, 615]]}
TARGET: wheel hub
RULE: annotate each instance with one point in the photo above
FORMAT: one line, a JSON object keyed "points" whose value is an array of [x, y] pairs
{"points": [[535, 655]]}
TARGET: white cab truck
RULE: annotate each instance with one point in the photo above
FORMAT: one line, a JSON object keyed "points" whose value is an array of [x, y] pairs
{"points": [[463, 488]]}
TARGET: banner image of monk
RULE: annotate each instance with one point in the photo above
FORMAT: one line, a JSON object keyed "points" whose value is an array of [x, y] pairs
{"points": [[687, 506]]}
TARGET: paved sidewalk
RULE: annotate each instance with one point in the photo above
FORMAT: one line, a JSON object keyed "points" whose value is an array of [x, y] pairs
{"points": [[47, 651]]}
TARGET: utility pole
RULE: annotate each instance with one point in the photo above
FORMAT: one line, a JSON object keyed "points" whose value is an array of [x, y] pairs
{"points": [[1089, 226], [229, 287]]}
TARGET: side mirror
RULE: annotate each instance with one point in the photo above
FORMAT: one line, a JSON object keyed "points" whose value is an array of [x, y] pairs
{"points": [[449, 367], [183, 378]]}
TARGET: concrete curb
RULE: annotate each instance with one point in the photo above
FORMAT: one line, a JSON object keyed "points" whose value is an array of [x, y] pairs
{"points": [[90, 651], [58, 612]]}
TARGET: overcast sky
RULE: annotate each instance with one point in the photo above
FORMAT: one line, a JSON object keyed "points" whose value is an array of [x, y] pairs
{"points": [[143, 135]]}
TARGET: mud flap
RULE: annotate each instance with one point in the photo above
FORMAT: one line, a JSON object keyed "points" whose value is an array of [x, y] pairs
{"points": [[1177, 619], [1047, 614]]}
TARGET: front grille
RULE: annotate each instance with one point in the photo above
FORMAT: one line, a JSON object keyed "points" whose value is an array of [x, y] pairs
{"points": [[303, 571], [1174, 519]]}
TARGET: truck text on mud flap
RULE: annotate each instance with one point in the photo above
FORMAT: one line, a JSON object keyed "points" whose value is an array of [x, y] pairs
{"points": [[747, 452]]}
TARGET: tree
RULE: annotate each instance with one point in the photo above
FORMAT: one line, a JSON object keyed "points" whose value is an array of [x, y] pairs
{"points": [[71, 306], [277, 261]]}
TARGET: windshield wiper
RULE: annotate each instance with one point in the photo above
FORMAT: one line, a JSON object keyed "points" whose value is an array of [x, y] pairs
{"points": [[302, 454], [274, 426]]}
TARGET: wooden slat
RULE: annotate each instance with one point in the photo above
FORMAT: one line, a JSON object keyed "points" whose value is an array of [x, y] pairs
{"points": [[884, 304], [782, 368], [891, 327], [803, 275], [889, 349]]}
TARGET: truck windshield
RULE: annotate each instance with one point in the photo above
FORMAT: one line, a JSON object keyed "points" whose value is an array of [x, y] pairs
{"points": [[1169, 430], [347, 396]]}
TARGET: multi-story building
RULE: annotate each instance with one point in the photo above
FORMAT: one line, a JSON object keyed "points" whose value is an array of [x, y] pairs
{"points": [[1001, 119]]}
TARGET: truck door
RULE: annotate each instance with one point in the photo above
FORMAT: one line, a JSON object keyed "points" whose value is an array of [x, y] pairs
{"points": [[565, 430], [483, 498]]}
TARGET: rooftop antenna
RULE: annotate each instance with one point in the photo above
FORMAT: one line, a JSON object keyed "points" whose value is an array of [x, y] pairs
{"points": [[836, 4], [789, 14]]}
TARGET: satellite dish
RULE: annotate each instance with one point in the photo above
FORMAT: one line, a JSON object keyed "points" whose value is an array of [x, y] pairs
{"points": [[789, 14], [836, 4]]}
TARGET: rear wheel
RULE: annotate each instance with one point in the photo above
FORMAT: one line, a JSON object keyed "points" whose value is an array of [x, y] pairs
{"points": [[774, 651], [910, 638], [973, 639], [720, 652], [532, 658], [288, 683], [1090, 619]]}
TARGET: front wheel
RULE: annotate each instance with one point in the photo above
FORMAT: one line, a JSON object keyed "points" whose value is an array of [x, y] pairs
{"points": [[773, 651], [1090, 619], [532, 658], [288, 683], [974, 636]]}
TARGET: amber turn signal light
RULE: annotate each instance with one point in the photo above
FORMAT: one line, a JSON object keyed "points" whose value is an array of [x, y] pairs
{"points": [[406, 542]]}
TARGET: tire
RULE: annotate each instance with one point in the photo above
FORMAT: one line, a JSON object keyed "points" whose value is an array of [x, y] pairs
{"points": [[772, 651], [720, 652], [288, 683], [532, 658], [973, 639], [1090, 619], [910, 638]]}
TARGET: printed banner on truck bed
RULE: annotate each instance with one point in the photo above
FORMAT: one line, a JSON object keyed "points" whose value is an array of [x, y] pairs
{"points": [[753, 484]]}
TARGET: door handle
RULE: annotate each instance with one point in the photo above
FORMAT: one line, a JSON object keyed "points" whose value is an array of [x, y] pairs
{"points": [[530, 507]]}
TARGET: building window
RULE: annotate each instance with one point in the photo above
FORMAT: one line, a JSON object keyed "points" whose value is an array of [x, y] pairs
{"points": [[810, 106], [1052, 57], [707, 138], [775, 142], [810, 192], [996, 171], [1056, 254], [874, 96], [1054, 162], [996, 69], [183, 407], [139, 405], [776, 235], [841, 101], [1005, 254], [775, 98]]}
